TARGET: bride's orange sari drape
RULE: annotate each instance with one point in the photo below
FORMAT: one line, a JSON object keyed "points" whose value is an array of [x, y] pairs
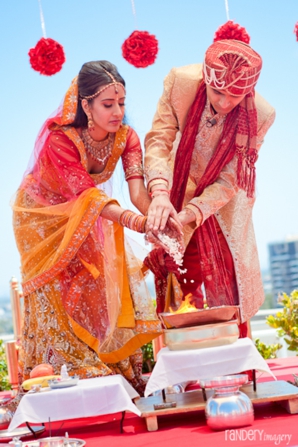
{"points": [[86, 301]]}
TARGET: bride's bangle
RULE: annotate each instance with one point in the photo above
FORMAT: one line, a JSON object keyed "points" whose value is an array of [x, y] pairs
{"points": [[133, 221]]}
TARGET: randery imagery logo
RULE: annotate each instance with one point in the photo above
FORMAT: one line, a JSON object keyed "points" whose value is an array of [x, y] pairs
{"points": [[257, 435]]}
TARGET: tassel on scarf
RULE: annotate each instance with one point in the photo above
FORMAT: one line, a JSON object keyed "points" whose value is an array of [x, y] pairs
{"points": [[246, 170]]}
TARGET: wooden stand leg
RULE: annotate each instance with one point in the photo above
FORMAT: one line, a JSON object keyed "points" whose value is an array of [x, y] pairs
{"points": [[290, 405], [151, 423]]}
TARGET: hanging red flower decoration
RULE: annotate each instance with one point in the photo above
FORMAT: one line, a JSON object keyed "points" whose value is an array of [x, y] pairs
{"points": [[296, 31], [231, 30], [140, 49], [47, 57]]}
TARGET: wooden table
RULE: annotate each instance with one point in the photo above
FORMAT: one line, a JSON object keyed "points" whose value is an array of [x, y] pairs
{"points": [[274, 391]]}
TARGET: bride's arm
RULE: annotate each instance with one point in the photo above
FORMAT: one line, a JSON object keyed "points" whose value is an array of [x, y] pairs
{"points": [[132, 159]]}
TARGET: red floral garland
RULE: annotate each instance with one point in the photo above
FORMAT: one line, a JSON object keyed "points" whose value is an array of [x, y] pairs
{"points": [[231, 30], [296, 31], [47, 57], [140, 49]]}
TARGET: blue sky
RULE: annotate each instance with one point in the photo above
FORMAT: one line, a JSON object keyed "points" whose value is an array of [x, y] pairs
{"points": [[96, 29]]}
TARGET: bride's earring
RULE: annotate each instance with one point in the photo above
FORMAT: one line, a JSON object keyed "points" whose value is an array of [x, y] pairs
{"points": [[90, 122]]}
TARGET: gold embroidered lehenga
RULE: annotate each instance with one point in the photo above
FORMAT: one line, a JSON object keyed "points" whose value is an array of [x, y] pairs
{"points": [[86, 303]]}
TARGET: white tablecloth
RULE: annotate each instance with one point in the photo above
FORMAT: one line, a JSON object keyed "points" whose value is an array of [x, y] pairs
{"points": [[91, 397], [179, 366]]}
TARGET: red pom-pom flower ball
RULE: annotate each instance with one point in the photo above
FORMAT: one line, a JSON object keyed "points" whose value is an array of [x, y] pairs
{"points": [[231, 30], [140, 49], [47, 57], [296, 31]]}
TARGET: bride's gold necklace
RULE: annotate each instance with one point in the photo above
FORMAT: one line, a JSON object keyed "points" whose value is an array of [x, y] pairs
{"points": [[99, 151]]}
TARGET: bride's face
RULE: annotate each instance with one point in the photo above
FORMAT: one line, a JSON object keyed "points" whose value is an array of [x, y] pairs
{"points": [[107, 110]]}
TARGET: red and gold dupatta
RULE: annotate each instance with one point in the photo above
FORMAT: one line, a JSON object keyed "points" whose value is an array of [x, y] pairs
{"points": [[65, 244]]}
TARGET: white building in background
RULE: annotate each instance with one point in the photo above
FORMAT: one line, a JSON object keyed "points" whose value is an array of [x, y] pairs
{"points": [[283, 259]]}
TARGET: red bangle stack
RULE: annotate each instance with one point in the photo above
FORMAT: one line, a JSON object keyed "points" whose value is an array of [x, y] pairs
{"points": [[133, 221]]}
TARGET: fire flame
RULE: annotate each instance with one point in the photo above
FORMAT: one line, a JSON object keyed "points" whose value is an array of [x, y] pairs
{"points": [[185, 306]]}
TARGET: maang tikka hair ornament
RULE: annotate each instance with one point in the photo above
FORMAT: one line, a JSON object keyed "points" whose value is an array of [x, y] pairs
{"points": [[114, 82]]}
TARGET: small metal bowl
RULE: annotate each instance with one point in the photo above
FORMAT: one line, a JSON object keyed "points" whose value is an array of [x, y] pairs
{"points": [[229, 409], [224, 381]]}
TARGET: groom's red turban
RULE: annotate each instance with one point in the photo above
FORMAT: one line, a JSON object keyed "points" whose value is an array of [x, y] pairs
{"points": [[232, 66]]}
